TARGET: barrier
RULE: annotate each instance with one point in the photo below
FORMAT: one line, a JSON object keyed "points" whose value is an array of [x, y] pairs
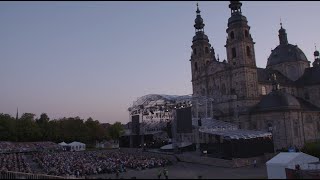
{"points": [[21, 175]]}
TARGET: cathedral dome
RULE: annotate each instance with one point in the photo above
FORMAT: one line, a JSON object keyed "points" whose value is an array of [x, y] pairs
{"points": [[286, 53], [278, 100]]}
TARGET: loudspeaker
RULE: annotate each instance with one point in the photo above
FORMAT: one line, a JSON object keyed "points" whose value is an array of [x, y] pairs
{"points": [[135, 125]]}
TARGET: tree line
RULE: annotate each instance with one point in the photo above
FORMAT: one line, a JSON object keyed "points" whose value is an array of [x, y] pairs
{"points": [[29, 129]]}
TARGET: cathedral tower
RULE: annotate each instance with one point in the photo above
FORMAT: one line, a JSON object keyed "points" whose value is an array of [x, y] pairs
{"points": [[241, 55], [240, 45], [202, 54]]}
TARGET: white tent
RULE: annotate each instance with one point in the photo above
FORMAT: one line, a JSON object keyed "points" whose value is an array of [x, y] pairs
{"points": [[77, 146], [276, 166], [63, 144]]}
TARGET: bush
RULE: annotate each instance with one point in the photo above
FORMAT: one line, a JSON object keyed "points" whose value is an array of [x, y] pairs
{"points": [[312, 148]]}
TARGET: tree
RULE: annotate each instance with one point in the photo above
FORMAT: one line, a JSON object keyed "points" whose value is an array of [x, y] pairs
{"points": [[43, 124], [7, 128], [115, 130], [27, 128], [43, 118]]}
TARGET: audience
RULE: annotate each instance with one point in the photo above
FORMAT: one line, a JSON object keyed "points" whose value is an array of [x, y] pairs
{"points": [[94, 162], [14, 162], [62, 163]]}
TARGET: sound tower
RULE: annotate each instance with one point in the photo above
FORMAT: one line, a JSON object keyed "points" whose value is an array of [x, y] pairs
{"points": [[135, 125], [184, 120]]}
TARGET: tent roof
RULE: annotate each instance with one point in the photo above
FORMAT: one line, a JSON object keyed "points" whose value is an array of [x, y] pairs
{"points": [[287, 157], [180, 145], [63, 143], [76, 143]]}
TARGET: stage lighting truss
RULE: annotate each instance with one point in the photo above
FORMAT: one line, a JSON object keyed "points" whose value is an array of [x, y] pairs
{"points": [[168, 106]]}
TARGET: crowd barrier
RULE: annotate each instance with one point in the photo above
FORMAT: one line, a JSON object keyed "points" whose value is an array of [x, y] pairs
{"points": [[21, 175]]}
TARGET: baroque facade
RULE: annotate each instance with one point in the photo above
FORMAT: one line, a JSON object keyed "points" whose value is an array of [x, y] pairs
{"points": [[283, 98]]}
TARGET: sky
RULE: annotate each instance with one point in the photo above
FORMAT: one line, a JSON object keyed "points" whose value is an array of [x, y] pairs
{"points": [[93, 59]]}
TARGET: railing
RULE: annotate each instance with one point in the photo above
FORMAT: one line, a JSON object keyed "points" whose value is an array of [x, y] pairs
{"points": [[21, 175]]}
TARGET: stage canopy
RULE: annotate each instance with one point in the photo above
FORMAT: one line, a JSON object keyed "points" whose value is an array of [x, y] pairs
{"points": [[228, 130], [152, 100], [180, 145]]}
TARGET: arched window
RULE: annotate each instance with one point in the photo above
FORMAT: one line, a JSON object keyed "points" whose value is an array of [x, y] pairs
{"points": [[248, 51], [295, 129], [246, 34], [234, 53], [232, 35], [223, 89], [196, 66], [207, 50], [263, 90]]}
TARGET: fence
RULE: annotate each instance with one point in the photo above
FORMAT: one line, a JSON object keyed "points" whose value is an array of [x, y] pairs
{"points": [[20, 175]]}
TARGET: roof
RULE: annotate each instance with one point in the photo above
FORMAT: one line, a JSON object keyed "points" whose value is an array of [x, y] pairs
{"points": [[200, 36], [63, 143], [311, 76], [237, 134], [214, 124], [285, 158], [180, 145], [227, 130], [237, 18], [265, 74], [305, 105], [76, 143], [277, 100], [286, 53], [158, 99]]}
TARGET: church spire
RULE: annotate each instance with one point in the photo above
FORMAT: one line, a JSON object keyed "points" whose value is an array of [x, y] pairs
{"points": [[17, 115], [235, 7], [282, 35], [199, 25]]}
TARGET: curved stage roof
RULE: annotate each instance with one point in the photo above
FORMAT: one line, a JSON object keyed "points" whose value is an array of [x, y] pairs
{"points": [[159, 99]]}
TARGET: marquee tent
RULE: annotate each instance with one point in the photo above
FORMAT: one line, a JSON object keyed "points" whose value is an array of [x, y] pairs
{"points": [[77, 146], [276, 166], [63, 144]]}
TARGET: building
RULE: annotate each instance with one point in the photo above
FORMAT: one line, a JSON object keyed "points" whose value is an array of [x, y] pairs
{"points": [[282, 98]]}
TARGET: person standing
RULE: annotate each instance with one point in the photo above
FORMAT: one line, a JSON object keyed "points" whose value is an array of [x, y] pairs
{"points": [[255, 163], [165, 173], [117, 174], [159, 173]]}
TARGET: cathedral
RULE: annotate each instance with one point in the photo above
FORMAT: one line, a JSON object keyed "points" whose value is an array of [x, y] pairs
{"points": [[282, 98]]}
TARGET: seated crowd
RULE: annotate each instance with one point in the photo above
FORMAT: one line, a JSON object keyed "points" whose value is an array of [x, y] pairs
{"points": [[14, 162], [14, 147], [94, 162]]}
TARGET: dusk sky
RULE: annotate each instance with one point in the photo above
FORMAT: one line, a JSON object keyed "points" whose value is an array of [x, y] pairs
{"points": [[93, 59]]}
